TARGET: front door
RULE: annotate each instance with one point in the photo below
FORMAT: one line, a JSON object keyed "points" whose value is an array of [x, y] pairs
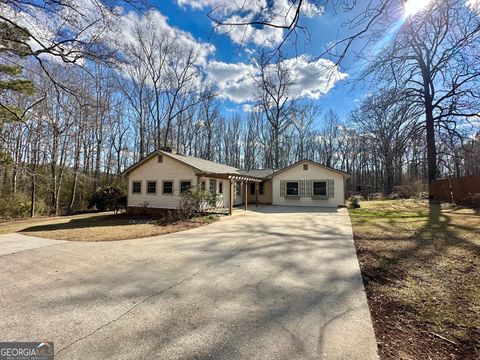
{"points": [[238, 193]]}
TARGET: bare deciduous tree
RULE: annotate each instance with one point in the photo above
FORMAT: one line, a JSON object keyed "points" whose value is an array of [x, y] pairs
{"points": [[273, 82], [434, 59]]}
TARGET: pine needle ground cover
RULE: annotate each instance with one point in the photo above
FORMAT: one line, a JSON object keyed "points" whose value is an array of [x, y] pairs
{"points": [[421, 268]]}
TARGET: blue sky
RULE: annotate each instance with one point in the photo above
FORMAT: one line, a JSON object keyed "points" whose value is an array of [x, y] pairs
{"points": [[342, 98]]}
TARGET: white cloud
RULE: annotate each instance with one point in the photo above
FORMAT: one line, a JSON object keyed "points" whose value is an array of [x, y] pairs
{"points": [[474, 5], [315, 78], [275, 12], [88, 20], [92, 21], [157, 22], [235, 81], [311, 78], [248, 107]]}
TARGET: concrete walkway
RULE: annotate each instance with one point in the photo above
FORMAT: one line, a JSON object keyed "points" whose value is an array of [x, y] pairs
{"points": [[13, 243], [278, 283]]}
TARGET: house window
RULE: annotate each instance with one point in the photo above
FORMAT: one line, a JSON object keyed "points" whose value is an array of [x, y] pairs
{"points": [[160, 158], [185, 186], [252, 188], [212, 186], [151, 187], [168, 187], [238, 188], [319, 188], [137, 187], [292, 188], [262, 188], [220, 187], [305, 166], [203, 185]]}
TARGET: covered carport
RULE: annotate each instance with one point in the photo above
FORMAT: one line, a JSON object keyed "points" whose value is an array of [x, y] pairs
{"points": [[244, 180]]}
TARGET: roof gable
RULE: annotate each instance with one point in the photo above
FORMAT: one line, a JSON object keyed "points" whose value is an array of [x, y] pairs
{"points": [[345, 175], [198, 165]]}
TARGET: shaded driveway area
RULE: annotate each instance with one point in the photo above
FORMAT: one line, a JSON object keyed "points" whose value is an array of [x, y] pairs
{"points": [[276, 283]]}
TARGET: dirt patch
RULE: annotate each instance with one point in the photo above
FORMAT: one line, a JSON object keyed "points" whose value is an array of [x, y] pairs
{"points": [[421, 269]]}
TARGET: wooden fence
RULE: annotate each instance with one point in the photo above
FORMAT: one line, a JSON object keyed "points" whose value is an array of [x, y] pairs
{"points": [[463, 191]]}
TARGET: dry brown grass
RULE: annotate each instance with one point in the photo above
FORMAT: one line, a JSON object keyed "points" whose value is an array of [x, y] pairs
{"points": [[99, 227], [421, 268], [16, 225]]}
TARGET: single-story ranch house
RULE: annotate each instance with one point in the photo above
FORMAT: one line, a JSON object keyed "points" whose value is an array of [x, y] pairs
{"points": [[159, 180]]}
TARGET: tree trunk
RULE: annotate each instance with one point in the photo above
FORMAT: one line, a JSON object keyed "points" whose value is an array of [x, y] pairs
{"points": [[431, 148], [277, 148], [73, 192], [389, 177], [33, 197]]}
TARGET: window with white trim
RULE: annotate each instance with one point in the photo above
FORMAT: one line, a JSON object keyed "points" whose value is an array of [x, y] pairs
{"points": [[168, 187], [212, 186], [151, 187], [319, 188], [185, 186], [136, 187], [238, 188], [292, 188]]}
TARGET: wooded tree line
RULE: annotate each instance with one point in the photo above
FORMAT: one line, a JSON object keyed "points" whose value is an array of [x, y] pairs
{"points": [[65, 130]]}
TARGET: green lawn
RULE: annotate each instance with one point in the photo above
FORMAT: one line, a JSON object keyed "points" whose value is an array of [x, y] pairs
{"points": [[421, 268]]}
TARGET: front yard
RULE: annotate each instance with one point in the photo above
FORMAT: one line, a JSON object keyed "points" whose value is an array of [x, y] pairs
{"points": [[421, 269], [100, 227]]}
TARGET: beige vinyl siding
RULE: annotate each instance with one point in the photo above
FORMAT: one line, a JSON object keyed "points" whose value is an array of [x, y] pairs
{"points": [[335, 186], [168, 170], [266, 198], [222, 199]]}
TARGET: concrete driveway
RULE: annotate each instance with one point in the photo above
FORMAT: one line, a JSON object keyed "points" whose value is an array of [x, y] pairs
{"points": [[277, 283]]}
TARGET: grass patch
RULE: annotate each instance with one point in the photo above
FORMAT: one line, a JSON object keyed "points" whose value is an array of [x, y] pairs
{"points": [[421, 268], [101, 227]]}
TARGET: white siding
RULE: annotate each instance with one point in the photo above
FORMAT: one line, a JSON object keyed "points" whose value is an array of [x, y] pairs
{"points": [[314, 172], [222, 199], [168, 170]]}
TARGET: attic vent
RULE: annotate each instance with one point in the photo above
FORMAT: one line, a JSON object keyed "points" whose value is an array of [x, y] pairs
{"points": [[160, 158], [305, 166]]}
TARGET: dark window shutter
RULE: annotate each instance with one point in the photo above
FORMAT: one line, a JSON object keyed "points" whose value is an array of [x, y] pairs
{"points": [[331, 189], [282, 188], [302, 188]]}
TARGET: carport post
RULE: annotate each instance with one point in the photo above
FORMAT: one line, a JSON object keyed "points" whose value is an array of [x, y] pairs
{"points": [[231, 197], [246, 195]]}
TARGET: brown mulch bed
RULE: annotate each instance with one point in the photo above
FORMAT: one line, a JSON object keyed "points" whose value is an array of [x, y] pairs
{"points": [[421, 270]]}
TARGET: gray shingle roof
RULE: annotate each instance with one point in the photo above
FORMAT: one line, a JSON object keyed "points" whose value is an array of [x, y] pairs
{"points": [[203, 165], [261, 173], [210, 167]]}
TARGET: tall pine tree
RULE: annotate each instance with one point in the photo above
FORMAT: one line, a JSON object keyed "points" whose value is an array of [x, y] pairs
{"points": [[13, 46]]}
